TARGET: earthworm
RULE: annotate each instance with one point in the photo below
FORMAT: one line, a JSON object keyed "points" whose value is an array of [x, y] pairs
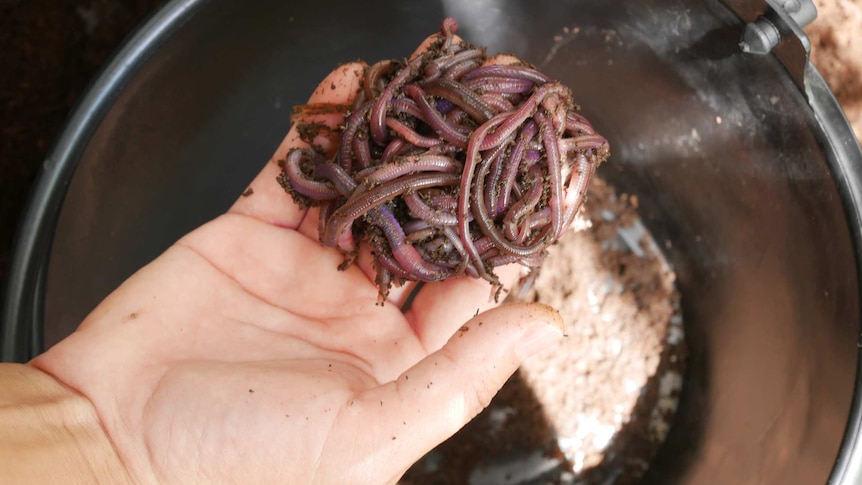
{"points": [[406, 255], [392, 149], [373, 77], [300, 183], [455, 72], [410, 135], [552, 157], [435, 67], [497, 102], [473, 159], [421, 235], [361, 203], [459, 95], [421, 210], [509, 72], [379, 108], [334, 174], [500, 85], [351, 127], [433, 117], [406, 165], [511, 169], [450, 166]]}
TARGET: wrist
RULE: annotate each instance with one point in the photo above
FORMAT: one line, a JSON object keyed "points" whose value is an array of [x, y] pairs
{"points": [[51, 434]]}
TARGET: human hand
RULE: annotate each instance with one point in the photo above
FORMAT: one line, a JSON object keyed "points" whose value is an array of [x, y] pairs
{"points": [[243, 355]]}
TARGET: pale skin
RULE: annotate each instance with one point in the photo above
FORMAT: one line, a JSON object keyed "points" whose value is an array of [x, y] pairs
{"points": [[242, 355]]}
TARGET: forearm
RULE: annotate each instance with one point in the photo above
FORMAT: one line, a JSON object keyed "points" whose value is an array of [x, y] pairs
{"points": [[51, 434]]}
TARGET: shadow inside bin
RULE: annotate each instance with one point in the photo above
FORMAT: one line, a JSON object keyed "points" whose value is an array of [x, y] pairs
{"points": [[513, 442]]}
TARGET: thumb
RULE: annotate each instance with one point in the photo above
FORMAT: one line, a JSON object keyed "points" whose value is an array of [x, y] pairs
{"points": [[439, 395], [475, 363]]}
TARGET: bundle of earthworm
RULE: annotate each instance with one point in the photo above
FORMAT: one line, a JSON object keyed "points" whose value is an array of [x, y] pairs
{"points": [[449, 166]]}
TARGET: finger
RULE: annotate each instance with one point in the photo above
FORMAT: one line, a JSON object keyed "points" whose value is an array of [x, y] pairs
{"points": [[439, 308], [431, 39], [292, 272], [283, 268], [266, 200], [436, 397], [503, 60]]}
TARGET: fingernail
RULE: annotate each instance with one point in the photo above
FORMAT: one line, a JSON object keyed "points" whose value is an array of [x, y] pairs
{"points": [[537, 337]]}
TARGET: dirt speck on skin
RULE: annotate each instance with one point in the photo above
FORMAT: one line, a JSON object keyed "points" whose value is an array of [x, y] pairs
{"points": [[595, 407]]}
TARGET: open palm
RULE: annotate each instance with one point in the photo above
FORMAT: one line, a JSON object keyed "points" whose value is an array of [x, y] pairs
{"points": [[242, 354]]}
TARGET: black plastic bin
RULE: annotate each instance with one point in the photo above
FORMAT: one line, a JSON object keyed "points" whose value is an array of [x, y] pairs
{"points": [[745, 162]]}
